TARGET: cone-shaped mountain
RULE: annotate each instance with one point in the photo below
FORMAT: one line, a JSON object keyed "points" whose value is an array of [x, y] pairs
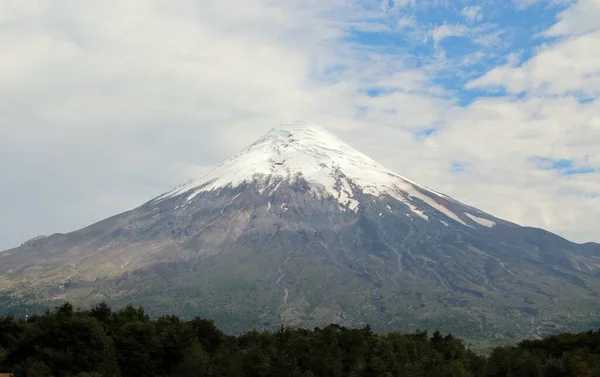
{"points": [[300, 228]]}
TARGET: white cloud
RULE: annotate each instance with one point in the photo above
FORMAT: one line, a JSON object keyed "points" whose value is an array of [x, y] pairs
{"points": [[104, 105], [496, 138], [444, 31], [473, 13], [549, 122], [581, 18], [571, 65], [405, 22]]}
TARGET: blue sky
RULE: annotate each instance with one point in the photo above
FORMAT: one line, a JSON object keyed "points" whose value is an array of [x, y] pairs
{"points": [[462, 40]]}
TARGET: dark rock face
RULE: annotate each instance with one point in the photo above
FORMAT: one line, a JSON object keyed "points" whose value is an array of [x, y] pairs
{"points": [[250, 259]]}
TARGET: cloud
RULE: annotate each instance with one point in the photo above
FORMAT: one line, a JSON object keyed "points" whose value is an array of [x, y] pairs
{"points": [[579, 19], [569, 66], [104, 105], [442, 32], [472, 13], [501, 137], [544, 118], [405, 22]]}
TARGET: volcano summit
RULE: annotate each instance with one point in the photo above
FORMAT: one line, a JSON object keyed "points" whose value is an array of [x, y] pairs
{"points": [[302, 229]]}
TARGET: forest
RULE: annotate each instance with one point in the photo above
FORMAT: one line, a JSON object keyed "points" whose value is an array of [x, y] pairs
{"points": [[98, 342]]}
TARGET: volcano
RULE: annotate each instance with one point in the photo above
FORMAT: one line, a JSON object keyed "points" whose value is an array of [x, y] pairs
{"points": [[301, 229]]}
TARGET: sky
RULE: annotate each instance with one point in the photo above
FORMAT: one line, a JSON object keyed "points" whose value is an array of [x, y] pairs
{"points": [[107, 104]]}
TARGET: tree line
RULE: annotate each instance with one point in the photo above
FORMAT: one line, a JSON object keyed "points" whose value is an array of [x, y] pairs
{"points": [[101, 342]]}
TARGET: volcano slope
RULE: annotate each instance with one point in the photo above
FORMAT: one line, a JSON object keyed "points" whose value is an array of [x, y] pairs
{"points": [[301, 229]]}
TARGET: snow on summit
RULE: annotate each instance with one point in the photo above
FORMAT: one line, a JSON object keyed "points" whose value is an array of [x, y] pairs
{"points": [[299, 148], [330, 166]]}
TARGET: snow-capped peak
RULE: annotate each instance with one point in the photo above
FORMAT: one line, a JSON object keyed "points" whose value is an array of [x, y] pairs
{"points": [[328, 164]]}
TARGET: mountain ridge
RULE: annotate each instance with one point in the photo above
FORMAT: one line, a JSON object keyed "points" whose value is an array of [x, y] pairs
{"points": [[327, 245]]}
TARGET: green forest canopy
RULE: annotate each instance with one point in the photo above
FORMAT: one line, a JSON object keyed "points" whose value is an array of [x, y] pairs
{"points": [[127, 343]]}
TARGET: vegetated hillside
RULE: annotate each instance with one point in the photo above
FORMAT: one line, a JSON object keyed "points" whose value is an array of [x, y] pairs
{"points": [[302, 229], [127, 343]]}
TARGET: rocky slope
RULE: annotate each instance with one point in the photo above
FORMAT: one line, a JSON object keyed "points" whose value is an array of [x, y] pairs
{"points": [[301, 229]]}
